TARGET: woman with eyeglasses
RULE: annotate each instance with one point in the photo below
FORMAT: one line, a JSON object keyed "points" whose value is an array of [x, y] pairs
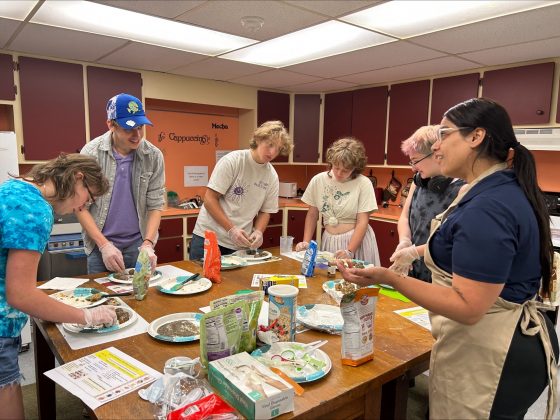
{"points": [[27, 207], [430, 194], [489, 254]]}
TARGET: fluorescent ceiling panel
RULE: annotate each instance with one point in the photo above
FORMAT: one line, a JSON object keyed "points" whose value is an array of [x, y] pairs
{"points": [[403, 18], [319, 41], [18, 9], [105, 20]]}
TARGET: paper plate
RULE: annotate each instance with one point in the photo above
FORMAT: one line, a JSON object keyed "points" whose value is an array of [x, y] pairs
{"points": [[157, 274], [100, 329], [323, 257], [77, 297], [230, 262], [192, 287], [329, 287], [262, 255], [321, 317], [315, 368], [191, 317]]}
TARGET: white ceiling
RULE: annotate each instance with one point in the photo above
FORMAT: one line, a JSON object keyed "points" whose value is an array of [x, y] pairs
{"points": [[524, 36]]}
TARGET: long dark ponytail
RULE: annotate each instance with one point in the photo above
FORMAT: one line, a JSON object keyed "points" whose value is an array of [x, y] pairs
{"points": [[499, 139]]}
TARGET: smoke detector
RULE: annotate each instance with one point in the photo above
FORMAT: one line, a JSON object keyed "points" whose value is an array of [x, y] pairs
{"points": [[252, 23]]}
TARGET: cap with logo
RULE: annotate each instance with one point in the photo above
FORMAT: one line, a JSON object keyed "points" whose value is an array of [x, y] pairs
{"points": [[127, 111]]}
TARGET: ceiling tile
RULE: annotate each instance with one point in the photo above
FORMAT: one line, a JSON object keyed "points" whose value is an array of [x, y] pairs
{"points": [[516, 53], [64, 43], [325, 85], [520, 27], [275, 79], [225, 16], [7, 29], [380, 56], [150, 57], [333, 8], [411, 71], [167, 8], [218, 69]]}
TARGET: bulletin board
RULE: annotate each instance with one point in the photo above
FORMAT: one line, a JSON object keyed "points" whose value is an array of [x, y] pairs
{"points": [[190, 140]]}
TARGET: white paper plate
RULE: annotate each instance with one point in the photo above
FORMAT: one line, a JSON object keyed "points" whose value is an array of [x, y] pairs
{"points": [[263, 255], [308, 373], [323, 257], [320, 317], [188, 316], [230, 262], [192, 287], [329, 287], [156, 276], [100, 329], [77, 297]]}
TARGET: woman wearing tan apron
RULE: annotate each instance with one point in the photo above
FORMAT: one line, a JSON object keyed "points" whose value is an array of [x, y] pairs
{"points": [[489, 253]]}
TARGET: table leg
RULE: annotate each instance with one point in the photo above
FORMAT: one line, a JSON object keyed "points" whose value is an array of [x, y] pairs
{"points": [[394, 398], [44, 361]]}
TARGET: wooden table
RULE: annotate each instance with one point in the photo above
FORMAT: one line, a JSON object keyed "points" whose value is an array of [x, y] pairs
{"points": [[377, 389]]}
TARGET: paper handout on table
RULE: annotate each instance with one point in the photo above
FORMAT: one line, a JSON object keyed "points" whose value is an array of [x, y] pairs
{"points": [[418, 315], [103, 376], [62, 283]]}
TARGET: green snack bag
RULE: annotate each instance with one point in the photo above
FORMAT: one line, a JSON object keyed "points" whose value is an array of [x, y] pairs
{"points": [[142, 274]]}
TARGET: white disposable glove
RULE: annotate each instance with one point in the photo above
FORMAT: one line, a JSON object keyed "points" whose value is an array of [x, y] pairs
{"points": [[103, 314], [402, 259], [152, 254], [302, 246], [344, 254], [239, 237], [403, 243], [256, 239], [112, 257]]}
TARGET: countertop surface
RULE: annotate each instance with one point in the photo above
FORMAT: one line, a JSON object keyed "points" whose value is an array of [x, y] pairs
{"points": [[390, 213]]}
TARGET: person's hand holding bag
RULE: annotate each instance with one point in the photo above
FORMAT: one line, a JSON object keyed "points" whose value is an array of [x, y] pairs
{"points": [[239, 237], [256, 239], [152, 254], [112, 257]]}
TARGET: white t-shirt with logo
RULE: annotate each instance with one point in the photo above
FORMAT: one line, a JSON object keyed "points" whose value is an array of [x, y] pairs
{"points": [[247, 187]]}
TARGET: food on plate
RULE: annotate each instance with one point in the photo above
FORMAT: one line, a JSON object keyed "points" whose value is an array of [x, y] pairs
{"points": [[113, 302], [345, 287], [122, 315], [180, 328], [126, 275]]}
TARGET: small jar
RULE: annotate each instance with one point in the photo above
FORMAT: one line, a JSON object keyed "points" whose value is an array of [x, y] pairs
{"points": [[331, 271]]}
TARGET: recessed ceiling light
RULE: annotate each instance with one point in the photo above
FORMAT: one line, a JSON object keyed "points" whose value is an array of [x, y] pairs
{"points": [[18, 9], [319, 41], [403, 19], [111, 21]]}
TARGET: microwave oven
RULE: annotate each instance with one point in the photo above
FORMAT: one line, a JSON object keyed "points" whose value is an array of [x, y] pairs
{"points": [[287, 189]]}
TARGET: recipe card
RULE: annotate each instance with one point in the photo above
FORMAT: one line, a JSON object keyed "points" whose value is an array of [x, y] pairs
{"points": [[103, 376], [418, 315]]}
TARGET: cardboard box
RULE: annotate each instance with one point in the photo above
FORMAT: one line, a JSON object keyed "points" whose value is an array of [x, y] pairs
{"points": [[273, 280], [249, 386]]}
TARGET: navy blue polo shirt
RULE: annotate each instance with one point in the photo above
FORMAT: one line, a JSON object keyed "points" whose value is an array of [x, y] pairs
{"points": [[492, 236]]}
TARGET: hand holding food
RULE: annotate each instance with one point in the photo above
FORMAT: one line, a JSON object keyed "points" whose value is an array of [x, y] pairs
{"points": [[256, 239], [98, 315], [239, 237]]}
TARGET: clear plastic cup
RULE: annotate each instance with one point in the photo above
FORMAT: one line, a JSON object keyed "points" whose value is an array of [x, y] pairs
{"points": [[286, 244]]}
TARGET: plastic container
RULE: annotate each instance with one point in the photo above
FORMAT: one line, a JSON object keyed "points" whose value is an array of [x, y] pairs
{"points": [[282, 306], [286, 244]]}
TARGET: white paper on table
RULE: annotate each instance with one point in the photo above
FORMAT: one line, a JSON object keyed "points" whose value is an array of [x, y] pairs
{"points": [[293, 255], [256, 281], [418, 315], [167, 272], [63, 283], [103, 376]]}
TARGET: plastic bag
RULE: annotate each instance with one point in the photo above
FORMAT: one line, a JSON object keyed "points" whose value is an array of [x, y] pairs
{"points": [[211, 406], [142, 274], [406, 190], [212, 257]]}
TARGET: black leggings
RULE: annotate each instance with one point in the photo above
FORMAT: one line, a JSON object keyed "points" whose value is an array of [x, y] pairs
{"points": [[524, 376]]}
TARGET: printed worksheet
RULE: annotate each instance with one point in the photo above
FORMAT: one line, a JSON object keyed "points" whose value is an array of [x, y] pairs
{"points": [[418, 315]]}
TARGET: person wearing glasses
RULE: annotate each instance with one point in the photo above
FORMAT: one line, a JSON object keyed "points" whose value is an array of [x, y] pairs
{"points": [[430, 194], [490, 252], [345, 198], [126, 218], [27, 206]]}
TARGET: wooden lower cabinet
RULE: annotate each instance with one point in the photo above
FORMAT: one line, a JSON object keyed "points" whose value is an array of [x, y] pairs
{"points": [[271, 236], [296, 224], [170, 245], [387, 237]]}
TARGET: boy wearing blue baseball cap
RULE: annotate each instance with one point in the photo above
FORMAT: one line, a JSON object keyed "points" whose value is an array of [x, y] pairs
{"points": [[126, 219]]}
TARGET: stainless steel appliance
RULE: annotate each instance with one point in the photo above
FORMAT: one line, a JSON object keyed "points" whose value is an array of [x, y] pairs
{"points": [[287, 189], [553, 204]]}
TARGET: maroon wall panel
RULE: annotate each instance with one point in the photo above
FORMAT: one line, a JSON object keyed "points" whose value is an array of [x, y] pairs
{"points": [[449, 91], [369, 119], [337, 118], [272, 106], [525, 92], [103, 84], [7, 91], [52, 107], [407, 112], [306, 128], [558, 107]]}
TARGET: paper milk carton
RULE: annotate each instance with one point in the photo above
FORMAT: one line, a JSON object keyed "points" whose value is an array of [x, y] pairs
{"points": [[249, 386]]}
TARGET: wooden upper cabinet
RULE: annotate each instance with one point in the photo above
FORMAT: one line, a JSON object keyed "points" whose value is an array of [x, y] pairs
{"points": [[408, 111], [369, 120], [7, 90], [103, 84], [525, 92], [307, 110], [337, 118], [272, 106], [52, 107], [449, 91], [558, 106]]}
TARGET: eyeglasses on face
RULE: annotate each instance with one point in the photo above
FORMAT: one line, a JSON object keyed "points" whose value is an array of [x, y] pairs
{"points": [[443, 132], [416, 162], [91, 200]]}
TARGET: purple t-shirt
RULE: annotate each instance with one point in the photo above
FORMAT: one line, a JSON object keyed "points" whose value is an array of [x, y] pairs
{"points": [[121, 226]]}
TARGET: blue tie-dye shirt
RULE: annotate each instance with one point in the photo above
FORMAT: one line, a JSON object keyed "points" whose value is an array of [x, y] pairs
{"points": [[26, 220]]}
